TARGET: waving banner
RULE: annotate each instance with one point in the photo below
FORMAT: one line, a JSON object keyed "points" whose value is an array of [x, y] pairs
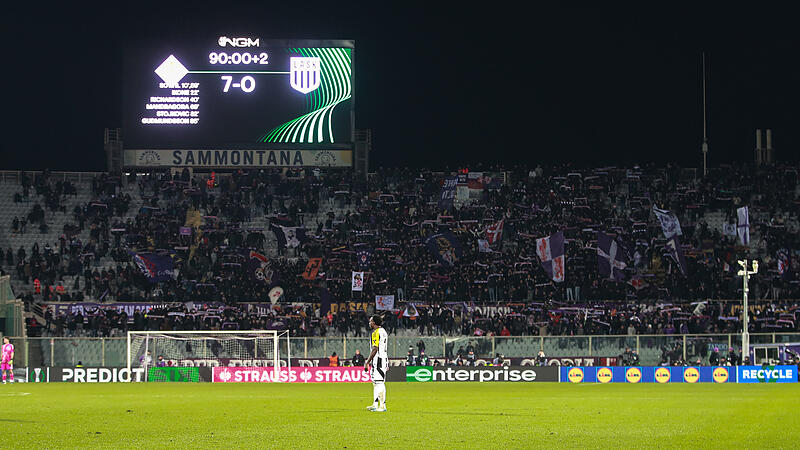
{"points": [[551, 253], [445, 247], [669, 222], [156, 268]]}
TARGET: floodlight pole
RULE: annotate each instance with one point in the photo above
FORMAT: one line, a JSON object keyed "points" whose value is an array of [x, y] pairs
{"points": [[745, 274], [705, 134]]}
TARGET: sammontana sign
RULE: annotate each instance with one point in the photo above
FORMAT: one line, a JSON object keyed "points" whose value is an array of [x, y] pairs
{"points": [[238, 158]]}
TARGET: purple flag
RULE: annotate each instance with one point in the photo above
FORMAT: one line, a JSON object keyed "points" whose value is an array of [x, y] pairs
{"points": [[156, 268], [611, 261], [551, 252], [675, 251]]}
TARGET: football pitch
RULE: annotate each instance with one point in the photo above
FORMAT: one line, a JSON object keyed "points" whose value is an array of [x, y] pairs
{"points": [[421, 415]]}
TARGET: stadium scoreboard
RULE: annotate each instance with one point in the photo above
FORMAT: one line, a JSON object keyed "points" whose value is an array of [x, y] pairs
{"points": [[238, 101]]}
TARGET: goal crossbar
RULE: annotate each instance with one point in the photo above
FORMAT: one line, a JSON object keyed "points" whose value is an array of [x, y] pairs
{"points": [[206, 345]]}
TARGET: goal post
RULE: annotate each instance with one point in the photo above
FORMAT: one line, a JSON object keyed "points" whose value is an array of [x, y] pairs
{"points": [[209, 348]]}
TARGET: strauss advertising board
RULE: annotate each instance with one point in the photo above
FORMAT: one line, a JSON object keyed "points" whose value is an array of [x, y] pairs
{"points": [[296, 375]]}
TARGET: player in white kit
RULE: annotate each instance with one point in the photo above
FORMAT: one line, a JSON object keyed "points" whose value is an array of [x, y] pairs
{"points": [[378, 364]]}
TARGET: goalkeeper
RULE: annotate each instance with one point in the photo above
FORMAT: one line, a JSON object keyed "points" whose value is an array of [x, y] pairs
{"points": [[7, 365], [378, 364]]}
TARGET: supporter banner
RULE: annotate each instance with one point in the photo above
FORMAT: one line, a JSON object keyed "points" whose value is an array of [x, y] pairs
{"points": [[290, 375], [364, 257], [260, 267], [384, 302], [290, 237], [130, 308], [238, 158], [174, 374], [670, 224], [551, 253], [312, 269], [587, 361], [447, 194], [766, 374], [357, 281], [743, 225], [156, 268], [445, 247], [494, 233], [481, 374], [648, 374]]}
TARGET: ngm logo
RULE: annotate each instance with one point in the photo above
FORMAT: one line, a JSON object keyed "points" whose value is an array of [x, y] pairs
{"points": [[662, 375], [224, 41], [691, 375], [633, 375], [575, 375], [720, 375], [604, 375]]}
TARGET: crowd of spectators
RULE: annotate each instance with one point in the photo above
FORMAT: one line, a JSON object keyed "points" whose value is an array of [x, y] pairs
{"points": [[388, 217]]}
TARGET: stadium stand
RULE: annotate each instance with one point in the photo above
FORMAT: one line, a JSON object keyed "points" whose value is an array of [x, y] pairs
{"points": [[81, 231]]}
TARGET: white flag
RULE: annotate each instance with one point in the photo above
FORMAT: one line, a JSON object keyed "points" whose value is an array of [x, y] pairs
{"points": [[358, 281], [743, 229], [729, 229], [384, 302], [669, 222], [411, 311]]}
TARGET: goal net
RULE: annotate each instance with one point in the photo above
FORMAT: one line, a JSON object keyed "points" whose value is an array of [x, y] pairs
{"points": [[204, 348]]}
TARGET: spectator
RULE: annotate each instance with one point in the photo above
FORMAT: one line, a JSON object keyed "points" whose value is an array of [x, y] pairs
{"points": [[145, 360], [423, 359], [713, 359], [498, 360], [411, 360], [358, 359], [541, 359]]}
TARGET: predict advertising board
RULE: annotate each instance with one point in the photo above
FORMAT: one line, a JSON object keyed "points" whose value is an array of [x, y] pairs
{"points": [[85, 374], [116, 374], [481, 374], [238, 92], [679, 374]]}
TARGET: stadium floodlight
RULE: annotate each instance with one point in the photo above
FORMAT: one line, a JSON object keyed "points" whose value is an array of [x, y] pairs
{"points": [[207, 348], [745, 274]]}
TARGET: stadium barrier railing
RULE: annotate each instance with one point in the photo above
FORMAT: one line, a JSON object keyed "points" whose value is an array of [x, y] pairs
{"points": [[569, 350]]}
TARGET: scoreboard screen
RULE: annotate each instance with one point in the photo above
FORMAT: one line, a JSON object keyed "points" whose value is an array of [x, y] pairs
{"points": [[238, 92]]}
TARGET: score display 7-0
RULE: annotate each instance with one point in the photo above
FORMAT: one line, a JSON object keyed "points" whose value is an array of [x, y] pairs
{"points": [[246, 84]]}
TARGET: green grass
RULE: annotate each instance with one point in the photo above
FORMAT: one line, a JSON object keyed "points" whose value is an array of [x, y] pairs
{"points": [[421, 415]]}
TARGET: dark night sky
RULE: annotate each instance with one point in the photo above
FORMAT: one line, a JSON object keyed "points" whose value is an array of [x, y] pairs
{"points": [[443, 85]]}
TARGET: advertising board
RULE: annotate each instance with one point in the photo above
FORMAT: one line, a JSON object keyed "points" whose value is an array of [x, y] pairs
{"points": [[481, 374]]}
